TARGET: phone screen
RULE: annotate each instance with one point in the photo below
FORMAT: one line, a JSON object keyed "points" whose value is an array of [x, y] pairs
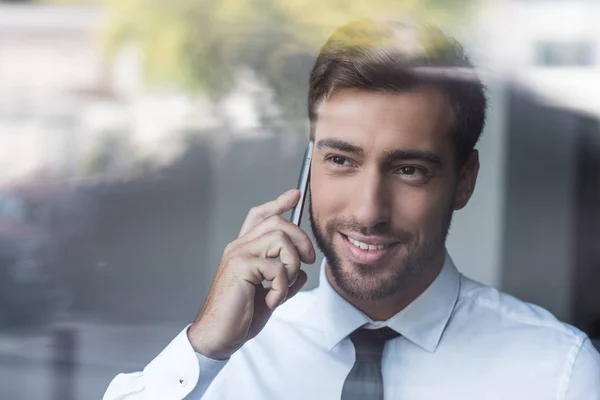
{"points": [[303, 184]]}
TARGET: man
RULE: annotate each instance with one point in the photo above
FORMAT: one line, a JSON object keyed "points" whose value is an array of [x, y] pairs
{"points": [[395, 113]]}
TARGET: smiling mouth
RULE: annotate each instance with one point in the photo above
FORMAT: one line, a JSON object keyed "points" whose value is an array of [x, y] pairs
{"points": [[366, 246]]}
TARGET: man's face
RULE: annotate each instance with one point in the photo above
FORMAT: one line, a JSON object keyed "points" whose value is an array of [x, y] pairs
{"points": [[383, 187]]}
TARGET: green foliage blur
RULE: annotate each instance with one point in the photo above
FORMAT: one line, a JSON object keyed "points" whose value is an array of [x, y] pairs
{"points": [[198, 45]]}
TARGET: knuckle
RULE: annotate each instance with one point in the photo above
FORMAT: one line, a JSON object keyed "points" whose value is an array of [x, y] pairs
{"points": [[255, 212], [279, 235], [275, 220], [232, 249], [229, 248]]}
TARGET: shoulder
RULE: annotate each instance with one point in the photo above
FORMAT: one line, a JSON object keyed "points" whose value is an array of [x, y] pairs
{"points": [[496, 313], [520, 337], [584, 374], [490, 303]]}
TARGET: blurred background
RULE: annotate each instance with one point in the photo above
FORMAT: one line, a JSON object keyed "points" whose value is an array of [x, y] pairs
{"points": [[136, 134]]}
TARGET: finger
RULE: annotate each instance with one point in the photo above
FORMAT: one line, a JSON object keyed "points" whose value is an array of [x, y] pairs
{"points": [[298, 237], [256, 270], [276, 244], [275, 272], [278, 291], [283, 203], [298, 285]]}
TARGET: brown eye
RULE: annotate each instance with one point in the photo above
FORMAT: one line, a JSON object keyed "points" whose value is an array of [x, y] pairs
{"points": [[408, 170], [339, 161], [412, 173]]}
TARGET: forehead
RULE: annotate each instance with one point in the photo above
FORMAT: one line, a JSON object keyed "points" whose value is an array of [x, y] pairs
{"points": [[417, 119]]}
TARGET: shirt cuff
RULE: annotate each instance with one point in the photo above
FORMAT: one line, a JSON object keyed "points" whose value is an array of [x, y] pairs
{"points": [[178, 370], [209, 365], [209, 369]]}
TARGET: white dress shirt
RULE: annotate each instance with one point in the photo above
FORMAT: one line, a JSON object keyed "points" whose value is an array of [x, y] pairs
{"points": [[459, 340]]}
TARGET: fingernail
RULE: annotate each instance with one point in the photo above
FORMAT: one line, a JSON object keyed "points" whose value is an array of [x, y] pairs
{"points": [[289, 192]]}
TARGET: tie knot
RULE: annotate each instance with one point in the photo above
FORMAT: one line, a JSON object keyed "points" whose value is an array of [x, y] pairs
{"points": [[369, 343]]}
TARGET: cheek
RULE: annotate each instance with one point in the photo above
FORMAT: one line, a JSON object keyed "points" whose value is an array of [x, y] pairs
{"points": [[419, 209], [327, 195]]}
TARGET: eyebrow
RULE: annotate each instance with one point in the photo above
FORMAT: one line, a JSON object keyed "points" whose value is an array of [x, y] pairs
{"points": [[389, 157], [411, 154], [341, 145]]}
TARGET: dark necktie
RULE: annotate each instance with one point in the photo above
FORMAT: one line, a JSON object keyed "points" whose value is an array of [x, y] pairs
{"points": [[365, 380]]}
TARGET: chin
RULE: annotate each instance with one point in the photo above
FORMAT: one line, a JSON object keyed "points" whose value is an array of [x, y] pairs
{"points": [[371, 282]]}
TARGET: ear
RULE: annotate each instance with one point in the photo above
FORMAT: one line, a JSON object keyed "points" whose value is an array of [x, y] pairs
{"points": [[466, 181]]}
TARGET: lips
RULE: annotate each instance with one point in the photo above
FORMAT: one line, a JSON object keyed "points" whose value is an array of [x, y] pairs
{"points": [[366, 253]]}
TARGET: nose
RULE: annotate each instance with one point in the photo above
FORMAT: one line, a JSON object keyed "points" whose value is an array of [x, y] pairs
{"points": [[372, 203]]}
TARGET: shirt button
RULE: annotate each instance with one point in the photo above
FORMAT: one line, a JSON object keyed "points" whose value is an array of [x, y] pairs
{"points": [[182, 383]]}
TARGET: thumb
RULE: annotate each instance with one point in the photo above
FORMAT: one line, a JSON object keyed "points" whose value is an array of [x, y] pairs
{"points": [[297, 286]]}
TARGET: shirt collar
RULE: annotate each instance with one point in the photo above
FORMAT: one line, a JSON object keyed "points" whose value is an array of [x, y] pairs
{"points": [[423, 321]]}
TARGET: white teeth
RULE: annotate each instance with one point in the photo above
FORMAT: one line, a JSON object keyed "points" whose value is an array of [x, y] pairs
{"points": [[365, 246]]}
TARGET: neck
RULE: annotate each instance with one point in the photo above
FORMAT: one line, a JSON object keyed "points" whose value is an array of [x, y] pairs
{"points": [[382, 310]]}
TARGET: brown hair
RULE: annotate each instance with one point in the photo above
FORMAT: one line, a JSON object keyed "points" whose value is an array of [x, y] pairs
{"points": [[395, 57]]}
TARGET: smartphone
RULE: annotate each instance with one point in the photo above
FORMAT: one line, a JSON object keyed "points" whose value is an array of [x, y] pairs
{"points": [[303, 184]]}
